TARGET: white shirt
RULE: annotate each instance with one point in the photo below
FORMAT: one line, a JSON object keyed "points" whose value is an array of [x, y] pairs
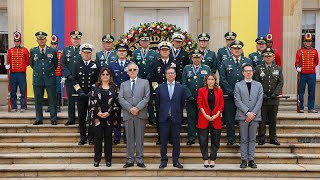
{"points": [[119, 61], [165, 61], [44, 49], [248, 81], [85, 62], [268, 65], [135, 81], [234, 58]]}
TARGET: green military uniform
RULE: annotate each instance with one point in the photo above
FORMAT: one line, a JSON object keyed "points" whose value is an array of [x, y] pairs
{"points": [[208, 57], [44, 62], [192, 79], [271, 78], [103, 58], [230, 74], [224, 52], [256, 57], [70, 56]]}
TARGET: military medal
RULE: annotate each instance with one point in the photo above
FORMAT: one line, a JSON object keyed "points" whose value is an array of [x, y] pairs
{"points": [[49, 55], [173, 65], [175, 53], [224, 57], [144, 55], [159, 69], [229, 67], [35, 57], [189, 73], [144, 62], [255, 59], [138, 62], [195, 77], [204, 55]]}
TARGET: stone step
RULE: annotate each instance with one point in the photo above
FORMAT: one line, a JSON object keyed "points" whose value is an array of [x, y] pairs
{"points": [[300, 148], [48, 128], [194, 170], [153, 158], [149, 137]]}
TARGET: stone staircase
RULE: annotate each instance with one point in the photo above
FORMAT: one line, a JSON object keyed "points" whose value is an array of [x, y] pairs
{"points": [[52, 151]]}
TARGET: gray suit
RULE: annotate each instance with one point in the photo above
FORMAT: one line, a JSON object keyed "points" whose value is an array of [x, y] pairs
{"points": [[248, 103], [134, 125]]}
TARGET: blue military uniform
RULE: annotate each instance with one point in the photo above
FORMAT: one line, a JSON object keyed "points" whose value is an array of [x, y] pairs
{"points": [[103, 58]]}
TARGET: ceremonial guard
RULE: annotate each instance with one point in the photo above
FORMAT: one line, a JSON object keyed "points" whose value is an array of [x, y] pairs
{"points": [[144, 57], [230, 74], [225, 52], [306, 61], [179, 56], [256, 57], [104, 57], [85, 75], [54, 44], [277, 56], [158, 68], [119, 73], [193, 79], [271, 78], [208, 57], [44, 61], [18, 61], [70, 56]]}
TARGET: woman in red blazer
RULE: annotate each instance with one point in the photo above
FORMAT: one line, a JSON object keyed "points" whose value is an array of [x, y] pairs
{"points": [[210, 103]]}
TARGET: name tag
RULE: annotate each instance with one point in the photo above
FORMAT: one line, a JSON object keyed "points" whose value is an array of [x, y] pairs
{"points": [[275, 72]]}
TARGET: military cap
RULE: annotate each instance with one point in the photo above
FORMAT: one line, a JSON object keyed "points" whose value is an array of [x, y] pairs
{"points": [[54, 39], [86, 47], [41, 35], [178, 37], [196, 53], [269, 38], [144, 37], [122, 46], [237, 44], [76, 34], [164, 45], [261, 40], [230, 35], [107, 38], [204, 37], [267, 52], [307, 37], [17, 36]]}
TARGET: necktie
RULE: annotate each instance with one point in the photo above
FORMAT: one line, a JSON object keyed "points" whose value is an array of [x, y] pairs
{"points": [[170, 90], [133, 85], [237, 62], [42, 52], [121, 64]]}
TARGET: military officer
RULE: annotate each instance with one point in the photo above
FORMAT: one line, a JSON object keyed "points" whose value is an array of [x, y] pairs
{"points": [[277, 56], [230, 74], [119, 74], [85, 74], [144, 57], [225, 52], [179, 55], [193, 79], [44, 61], [70, 56], [157, 75], [208, 57], [104, 57], [256, 57], [271, 78], [18, 61]]}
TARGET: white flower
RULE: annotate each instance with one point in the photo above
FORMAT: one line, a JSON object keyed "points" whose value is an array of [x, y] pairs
{"points": [[189, 42], [158, 27], [164, 27]]}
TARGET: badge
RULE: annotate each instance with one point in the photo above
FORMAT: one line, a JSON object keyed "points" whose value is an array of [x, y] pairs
{"points": [[189, 80], [102, 57], [275, 72], [229, 67], [189, 73], [68, 53], [94, 66], [204, 72], [49, 55], [224, 57], [202, 60], [115, 74], [80, 73], [144, 62], [68, 59], [138, 62], [159, 69], [35, 57], [262, 74], [125, 69], [195, 77], [255, 58], [173, 65]]}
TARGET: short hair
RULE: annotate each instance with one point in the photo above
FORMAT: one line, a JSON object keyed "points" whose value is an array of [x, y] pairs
{"points": [[246, 65], [168, 68], [132, 63]]}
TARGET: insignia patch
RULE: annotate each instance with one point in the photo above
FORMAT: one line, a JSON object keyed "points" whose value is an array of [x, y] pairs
{"points": [[204, 72], [275, 72], [125, 69], [49, 55], [35, 57], [94, 66], [173, 65], [189, 73]]}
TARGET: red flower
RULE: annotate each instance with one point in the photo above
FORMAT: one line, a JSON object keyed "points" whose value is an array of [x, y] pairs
{"points": [[135, 32], [132, 39]]}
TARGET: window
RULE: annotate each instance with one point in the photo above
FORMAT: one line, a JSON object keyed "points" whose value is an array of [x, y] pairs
{"points": [[3, 40]]}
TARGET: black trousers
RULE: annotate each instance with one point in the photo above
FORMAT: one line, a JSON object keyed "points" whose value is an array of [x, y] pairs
{"points": [[215, 142], [268, 114], [229, 114], [103, 132], [82, 115]]}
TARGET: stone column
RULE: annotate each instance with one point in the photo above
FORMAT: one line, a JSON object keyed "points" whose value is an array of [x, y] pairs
{"points": [[292, 27], [15, 19]]}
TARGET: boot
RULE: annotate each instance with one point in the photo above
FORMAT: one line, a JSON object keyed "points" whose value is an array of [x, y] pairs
{"points": [[58, 102]]}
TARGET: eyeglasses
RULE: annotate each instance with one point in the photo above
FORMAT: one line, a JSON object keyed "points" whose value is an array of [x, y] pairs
{"points": [[105, 74], [132, 69], [247, 70]]}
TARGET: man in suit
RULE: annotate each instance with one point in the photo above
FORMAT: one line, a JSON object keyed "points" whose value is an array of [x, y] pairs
{"points": [[119, 71], [248, 95], [85, 75], [230, 74], [134, 97], [44, 61], [170, 97], [104, 57]]}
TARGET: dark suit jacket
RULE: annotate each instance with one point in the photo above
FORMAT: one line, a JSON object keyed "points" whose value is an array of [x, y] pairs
{"points": [[176, 103]]}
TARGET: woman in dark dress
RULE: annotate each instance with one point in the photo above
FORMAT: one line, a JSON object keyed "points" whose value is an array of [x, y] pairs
{"points": [[210, 103], [103, 102]]}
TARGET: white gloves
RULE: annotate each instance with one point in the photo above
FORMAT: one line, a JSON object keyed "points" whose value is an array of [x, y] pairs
{"points": [[298, 69], [7, 66], [63, 80]]}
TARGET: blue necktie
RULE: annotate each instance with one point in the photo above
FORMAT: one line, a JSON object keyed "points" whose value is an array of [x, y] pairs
{"points": [[170, 90], [133, 85]]}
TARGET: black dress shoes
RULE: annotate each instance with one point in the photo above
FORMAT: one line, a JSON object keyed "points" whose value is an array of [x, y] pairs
{"points": [[91, 142], [170, 142], [82, 142], [108, 164], [37, 122], [252, 164], [162, 165], [158, 143], [178, 165], [69, 123], [141, 165], [128, 165], [116, 142], [190, 142], [54, 123], [243, 164], [96, 164], [275, 142], [261, 142], [230, 143]]}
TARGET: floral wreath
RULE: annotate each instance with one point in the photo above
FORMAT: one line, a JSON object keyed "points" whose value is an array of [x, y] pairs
{"points": [[157, 29]]}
